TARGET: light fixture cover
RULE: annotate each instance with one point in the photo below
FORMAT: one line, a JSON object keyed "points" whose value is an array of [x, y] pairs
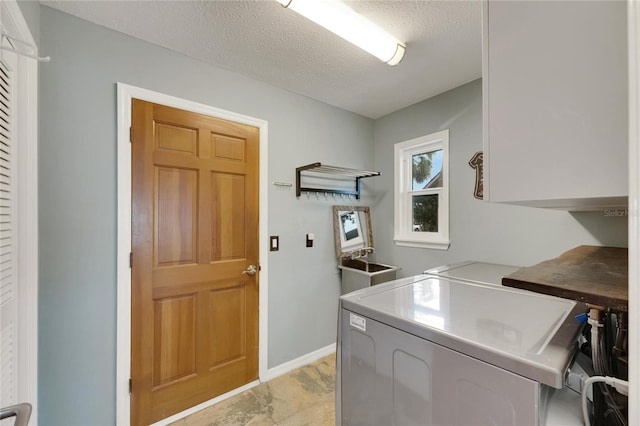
{"points": [[340, 19]]}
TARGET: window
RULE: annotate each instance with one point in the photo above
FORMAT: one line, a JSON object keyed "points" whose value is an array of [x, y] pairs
{"points": [[421, 216]]}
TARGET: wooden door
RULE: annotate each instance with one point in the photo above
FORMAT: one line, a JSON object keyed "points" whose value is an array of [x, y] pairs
{"points": [[194, 231]]}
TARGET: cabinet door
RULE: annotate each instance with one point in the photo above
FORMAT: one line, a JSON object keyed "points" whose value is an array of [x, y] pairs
{"points": [[555, 94]]}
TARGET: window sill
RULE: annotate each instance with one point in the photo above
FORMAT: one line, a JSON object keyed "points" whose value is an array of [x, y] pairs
{"points": [[437, 245]]}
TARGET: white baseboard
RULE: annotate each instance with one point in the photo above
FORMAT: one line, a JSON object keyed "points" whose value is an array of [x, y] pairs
{"points": [[288, 366], [271, 374]]}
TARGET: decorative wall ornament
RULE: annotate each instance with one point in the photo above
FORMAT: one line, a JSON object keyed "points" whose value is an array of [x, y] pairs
{"points": [[476, 163]]}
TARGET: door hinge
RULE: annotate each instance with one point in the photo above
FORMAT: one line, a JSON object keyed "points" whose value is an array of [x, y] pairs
{"points": [[130, 259], [130, 386], [131, 134]]}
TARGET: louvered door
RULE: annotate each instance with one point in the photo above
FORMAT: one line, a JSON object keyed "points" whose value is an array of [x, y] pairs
{"points": [[8, 284]]}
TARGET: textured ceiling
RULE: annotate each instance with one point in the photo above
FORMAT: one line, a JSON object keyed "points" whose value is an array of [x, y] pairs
{"points": [[265, 41]]}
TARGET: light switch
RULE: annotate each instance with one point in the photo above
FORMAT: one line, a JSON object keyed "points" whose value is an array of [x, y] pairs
{"points": [[310, 238], [275, 243]]}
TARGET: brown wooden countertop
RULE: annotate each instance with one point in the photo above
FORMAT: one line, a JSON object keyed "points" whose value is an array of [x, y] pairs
{"points": [[590, 274]]}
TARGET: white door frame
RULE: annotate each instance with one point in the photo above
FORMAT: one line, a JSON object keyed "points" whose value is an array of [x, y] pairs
{"points": [[26, 215], [123, 356]]}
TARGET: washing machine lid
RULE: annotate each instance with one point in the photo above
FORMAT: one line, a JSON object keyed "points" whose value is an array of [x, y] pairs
{"points": [[526, 333], [476, 272]]}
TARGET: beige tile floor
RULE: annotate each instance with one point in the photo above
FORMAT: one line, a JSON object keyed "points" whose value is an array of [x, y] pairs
{"points": [[305, 396]]}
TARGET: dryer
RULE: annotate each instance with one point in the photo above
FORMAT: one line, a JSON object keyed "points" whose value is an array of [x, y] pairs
{"points": [[442, 350]]}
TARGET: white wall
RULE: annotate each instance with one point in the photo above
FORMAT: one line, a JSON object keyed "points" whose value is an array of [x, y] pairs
{"points": [[480, 231], [77, 169]]}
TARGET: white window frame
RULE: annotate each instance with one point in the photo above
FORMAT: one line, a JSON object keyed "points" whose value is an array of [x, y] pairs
{"points": [[403, 230]]}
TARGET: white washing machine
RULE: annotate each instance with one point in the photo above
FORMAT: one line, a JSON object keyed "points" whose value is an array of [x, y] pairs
{"points": [[474, 272], [564, 405], [437, 350]]}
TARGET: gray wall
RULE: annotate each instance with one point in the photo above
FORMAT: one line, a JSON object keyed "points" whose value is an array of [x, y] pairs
{"points": [[31, 11], [77, 166], [481, 231]]}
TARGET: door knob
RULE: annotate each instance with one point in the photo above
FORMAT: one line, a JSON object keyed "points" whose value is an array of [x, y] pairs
{"points": [[251, 270]]}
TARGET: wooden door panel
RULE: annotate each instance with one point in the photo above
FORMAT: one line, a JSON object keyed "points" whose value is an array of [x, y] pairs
{"points": [[174, 339], [228, 218], [227, 147], [176, 139], [176, 216], [194, 230], [227, 312]]}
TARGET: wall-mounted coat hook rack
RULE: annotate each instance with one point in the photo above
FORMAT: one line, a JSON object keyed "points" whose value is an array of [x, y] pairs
{"points": [[320, 171]]}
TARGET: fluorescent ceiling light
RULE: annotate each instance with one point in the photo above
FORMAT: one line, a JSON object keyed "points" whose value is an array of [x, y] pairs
{"points": [[340, 19]]}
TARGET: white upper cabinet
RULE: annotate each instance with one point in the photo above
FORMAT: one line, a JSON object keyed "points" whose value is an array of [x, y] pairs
{"points": [[555, 103]]}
